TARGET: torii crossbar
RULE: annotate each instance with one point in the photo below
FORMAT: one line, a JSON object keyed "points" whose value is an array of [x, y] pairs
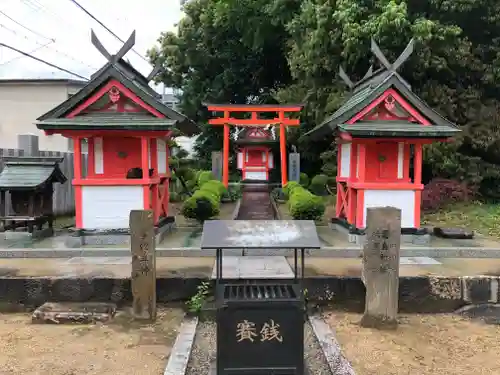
{"points": [[255, 110]]}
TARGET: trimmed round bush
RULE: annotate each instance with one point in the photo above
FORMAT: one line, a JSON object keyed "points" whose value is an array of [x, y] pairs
{"points": [[191, 185], [304, 180], [204, 177], [205, 202], [201, 206], [186, 173], [215, 186], [303, 205], [287, 189], [318, 184]]}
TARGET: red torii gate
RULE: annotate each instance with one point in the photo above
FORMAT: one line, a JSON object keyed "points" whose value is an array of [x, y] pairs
{"points": [[254, 109]]}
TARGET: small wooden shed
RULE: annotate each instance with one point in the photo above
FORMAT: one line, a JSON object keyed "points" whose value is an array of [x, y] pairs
{"points": [[29, 181]]}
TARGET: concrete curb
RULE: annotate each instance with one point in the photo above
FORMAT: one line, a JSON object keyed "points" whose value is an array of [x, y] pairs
{"points": [[416, 294], [181, 351], [338, 363], [325, 252]]}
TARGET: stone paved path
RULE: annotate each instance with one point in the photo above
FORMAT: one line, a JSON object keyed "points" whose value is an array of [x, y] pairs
{"points": [[255, 267], [277, 267]]}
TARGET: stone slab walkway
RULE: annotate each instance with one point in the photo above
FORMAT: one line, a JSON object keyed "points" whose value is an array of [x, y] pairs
{"points": [[255, 267], [262, 267]]}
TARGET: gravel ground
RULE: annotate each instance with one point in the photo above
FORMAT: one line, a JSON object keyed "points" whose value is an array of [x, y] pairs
{"points": [[204, 351], [441, 344], [122, 346]]}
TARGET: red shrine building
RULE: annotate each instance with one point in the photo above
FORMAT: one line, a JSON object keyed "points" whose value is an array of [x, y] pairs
{"points": [[126, 129], [380, 132], [255, 158]]}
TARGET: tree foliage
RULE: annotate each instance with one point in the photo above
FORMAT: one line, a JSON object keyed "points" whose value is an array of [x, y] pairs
{"points": [[290, 51]]}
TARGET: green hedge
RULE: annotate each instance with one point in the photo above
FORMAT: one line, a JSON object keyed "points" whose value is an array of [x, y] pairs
{"points": [[302, 204], [205, 202], [304, 180], [203, 177], [289, 187], [318, 184]]}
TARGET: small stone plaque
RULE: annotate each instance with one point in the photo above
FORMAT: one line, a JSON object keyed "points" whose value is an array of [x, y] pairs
{"points": [[454, 233], [74, 312]]}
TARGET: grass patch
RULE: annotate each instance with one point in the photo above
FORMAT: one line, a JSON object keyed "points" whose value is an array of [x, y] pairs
{"points": [[484, 218]]}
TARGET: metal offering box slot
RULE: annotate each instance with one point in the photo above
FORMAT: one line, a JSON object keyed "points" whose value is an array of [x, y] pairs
{"points": [[259, 292]]}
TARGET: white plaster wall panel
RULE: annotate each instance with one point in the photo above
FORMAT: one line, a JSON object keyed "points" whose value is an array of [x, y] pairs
{"points": [[255, 175], [108, 207], [98, 156], [161, 150], [402, 199], [401, 158], [240, 160], [271, 161], [345, 159], [264, 157]]}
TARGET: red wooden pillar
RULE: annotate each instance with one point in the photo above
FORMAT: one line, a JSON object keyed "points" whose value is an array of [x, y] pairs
{"points": [[155, 187], [417, 180], [225, 149], [90, 157], [77, 167], [145, 171], [166, 185], [284, 179], [360, 193]]}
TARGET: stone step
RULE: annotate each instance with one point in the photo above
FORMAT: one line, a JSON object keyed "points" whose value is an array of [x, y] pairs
{"points": [[255, 267]]}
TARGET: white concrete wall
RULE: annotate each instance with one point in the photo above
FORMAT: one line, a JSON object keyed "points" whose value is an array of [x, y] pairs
{"points": [[161, 150], [255, 175], [108, 207], [345, 159], [22, 103], [402, 199], [401, 158], [98, 156]]}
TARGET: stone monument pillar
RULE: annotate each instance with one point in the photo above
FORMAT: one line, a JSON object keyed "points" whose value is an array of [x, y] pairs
{"points": [[217, 165], [294, 166]]}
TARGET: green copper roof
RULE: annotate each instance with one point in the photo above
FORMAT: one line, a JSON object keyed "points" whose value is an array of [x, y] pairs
{"points": [[132, 80], [29, 173], [107, 121], [397, 129], [368, 90]]}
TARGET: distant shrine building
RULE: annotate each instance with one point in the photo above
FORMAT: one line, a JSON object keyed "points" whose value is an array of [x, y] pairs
{"points": [[126, 127], [380, 131]]}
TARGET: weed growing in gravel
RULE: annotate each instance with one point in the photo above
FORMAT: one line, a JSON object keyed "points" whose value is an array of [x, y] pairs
{"points": [[196, 302]]}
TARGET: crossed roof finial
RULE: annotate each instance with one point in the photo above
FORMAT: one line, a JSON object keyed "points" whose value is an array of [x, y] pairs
{"points": [[383, 60], [127, 46]]}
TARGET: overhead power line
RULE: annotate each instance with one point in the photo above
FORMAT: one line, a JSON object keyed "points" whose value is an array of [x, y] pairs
{"points": [[105, 27], [46, 45], [26, 27], [43, 61], [30, 52]]}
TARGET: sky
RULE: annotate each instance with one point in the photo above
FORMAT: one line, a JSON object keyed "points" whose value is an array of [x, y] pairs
{"points": [[59, 32]]}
